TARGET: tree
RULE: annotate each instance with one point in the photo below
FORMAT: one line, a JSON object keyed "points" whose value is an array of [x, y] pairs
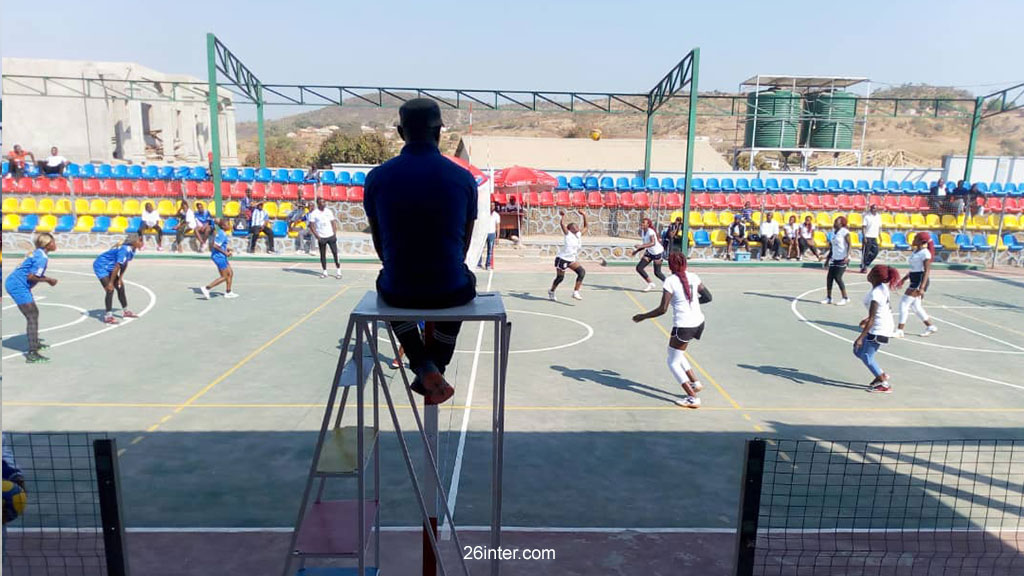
{"points": [[282, 152], [343, 148]]}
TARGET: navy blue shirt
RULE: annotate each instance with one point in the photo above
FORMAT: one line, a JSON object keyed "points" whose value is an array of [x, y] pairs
{"points": [[420, 204]]}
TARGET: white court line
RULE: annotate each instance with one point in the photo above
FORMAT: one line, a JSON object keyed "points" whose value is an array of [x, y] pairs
{"points": [[9, 306], [152, 303], [803, 319], [966, 329], [453, 490], [82, 318], [944, 307]]}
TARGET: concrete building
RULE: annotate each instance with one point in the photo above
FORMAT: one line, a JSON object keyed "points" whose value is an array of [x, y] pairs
{"points": [[110, 112]]}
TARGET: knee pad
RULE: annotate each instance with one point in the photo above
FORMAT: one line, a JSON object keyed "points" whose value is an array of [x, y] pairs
{"points": [[581, 273]]}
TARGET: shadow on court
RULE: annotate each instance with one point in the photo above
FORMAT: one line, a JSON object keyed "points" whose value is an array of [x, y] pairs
{"points": [[613, 379], [531, 298], [798, 377], [304, 271]]}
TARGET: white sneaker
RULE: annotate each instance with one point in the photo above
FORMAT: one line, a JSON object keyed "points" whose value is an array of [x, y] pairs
{"points": [[929, 331], [206, 293], [551, 296], [576, 295], [826, 301], [323, 274], [697, 386], [843, 302], [231, 295], [689, 402], [650, 286], [898, 334], [339, 274]]}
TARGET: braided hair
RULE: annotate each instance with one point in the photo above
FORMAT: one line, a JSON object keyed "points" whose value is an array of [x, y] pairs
{"points": [[677, 264], [926, 239], [882, 274]]}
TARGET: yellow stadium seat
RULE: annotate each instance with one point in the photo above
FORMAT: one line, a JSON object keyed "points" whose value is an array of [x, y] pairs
{"points": [[11, 222], [918, 222], [271, 209], [10, 206], [27, 206], [756, 217], [950, 221], [47, 223], [803, 216], [131, 208], [97, 208], [856, 220], [996, 241], [301, 225], [114, 207], [786, 216], [166, 208], [63, 207], [285, 207], [45, 206], [725, 218], [932, 222], [823, 220], [1011, 222], [887, 221], [820, 239], [718, 238], [118, 225], [855, 240], [81, 206], [232, 208], [84, 224], [885, 241], [711, 220], [948, 242], [991, 222], [902, 221]]}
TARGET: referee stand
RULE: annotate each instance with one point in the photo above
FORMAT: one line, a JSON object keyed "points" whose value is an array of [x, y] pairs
{"points": [[333, 529]]}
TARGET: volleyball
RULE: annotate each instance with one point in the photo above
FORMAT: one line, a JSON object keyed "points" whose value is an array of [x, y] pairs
{"points": [[15, 500], [595, 134]]}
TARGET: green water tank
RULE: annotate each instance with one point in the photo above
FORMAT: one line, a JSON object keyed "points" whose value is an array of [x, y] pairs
{"points": [[830, 120], [773, 119]]}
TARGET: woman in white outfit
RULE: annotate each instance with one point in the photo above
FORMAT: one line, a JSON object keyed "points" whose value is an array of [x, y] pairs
{"points": [[920, 271], [567, 257], [838, 258], [684, 291], [877, 327], [653, 252]]}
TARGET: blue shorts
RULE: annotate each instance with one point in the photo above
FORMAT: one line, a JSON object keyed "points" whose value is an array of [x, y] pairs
{"points": [[19, 291], [220, 260], [100, 273]]}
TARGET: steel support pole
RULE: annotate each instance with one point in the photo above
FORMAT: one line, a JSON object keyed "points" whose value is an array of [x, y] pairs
{"points": [[691, 133], [212, 102], [647, 145], [259, 127], [975, 122]]}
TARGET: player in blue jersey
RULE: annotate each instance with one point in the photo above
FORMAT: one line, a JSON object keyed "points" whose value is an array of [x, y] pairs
{"points": [[110, 267], [19, 286], [220, 252]]}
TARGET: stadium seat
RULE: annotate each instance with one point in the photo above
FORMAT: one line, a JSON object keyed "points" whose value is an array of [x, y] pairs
{"points": [[908, 203], [1012, 244], [671, 201], [280, 229], [11, 206], [734, 201], [818, 185], [328, 177], [135, 172], [718, 238], [166, 208], [170, 225], [728, 185], [11, 222], [697, 185], [131, 208], [118, 225], [595, 200], [229, 174], [240, 232], [902, 221], [151, 172], [165, 173], [906, 187], [626, 200], [1013, 206], [725, 217], [863, 187], [787, 185], [113, 207], [134, 223], [354, 194], [264, 175], [562, 183], [607, 183], [696, 220], [877, 186], [757, 185], [917, 222], [62, 206], [835, 187], [964, 242], [45, 206], [668, 184], [855, 241], [84, 224], [719, 201], [891, 203], [701, 239], [888, 221], [1011, 189], [781, 201], [562, 199], [271, 209], [345, 178], [823, 220], [700, 200], [712, 185], [65, 223], [576, 183], [611, 200], [772, 185], [28, 206], [281, 175], [547, 199], [743, 185], [120, 171], [932, 222], [980, 243], [994, 205], [921, 187], [641, 200], [359, 178], [820, 239], [101, 224], [531, 199], [28, 223], [803, 185], [590, 183], [899, 241], [637, 184], [622, 184], [297, 176], [797, 202], [812, 201]]}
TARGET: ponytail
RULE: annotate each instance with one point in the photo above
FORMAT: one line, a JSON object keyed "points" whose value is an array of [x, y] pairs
{"points": [[677, 264], [883, 274], [926, 239]]}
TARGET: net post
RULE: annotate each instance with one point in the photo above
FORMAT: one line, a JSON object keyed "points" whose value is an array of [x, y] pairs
{"points": [[108, 482], [750, 503]]}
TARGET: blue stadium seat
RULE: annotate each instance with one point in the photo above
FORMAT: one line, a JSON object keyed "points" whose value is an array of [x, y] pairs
{"points": [[28, 222], [6, 168], [562, 183], [328, 177], [877, 186], [590, 183], [697, 185], [892, 186], [964, 242], [935, 239], [950, 186], [922, 187], [742, 185], [899, 240], [1011, 243], [280, 229], [728, 185], [31, 170], [668, 185], [653, 183], [607, 183], [344, 178], [166, 173], [982, 187], [996, 188], [359, 178], [757, 185], [1012, 189], [622, 184], [863, 186], [833, 186], [804, 185], [701, 238], [230, 174], [170, 225], [88, 171], [247, 174], [240, 232], [65, 223], [576, 183], [101, 224], [772, 185], [818, 185], [264, 175], [907, 187], [73, 170], [281, 175], [135, 172], [848, 186], [133, 225], [637, 184], [151, 172], [182, 172], [104, 171], [787, 185], [980, 243], [198, 173], [297, 176], [712, 185]]}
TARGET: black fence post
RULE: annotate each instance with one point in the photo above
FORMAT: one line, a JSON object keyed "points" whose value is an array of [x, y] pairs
{"points": [[750, 504], [108, 479]]}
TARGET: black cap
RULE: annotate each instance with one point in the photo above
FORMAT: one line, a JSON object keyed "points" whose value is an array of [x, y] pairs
{"points": [[420, 113]]}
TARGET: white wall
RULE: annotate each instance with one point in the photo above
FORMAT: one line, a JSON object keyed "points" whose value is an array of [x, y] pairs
{"points": [[1002, 169]]}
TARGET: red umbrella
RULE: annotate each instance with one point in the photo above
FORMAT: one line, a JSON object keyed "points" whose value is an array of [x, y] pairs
{"points": [[478, 175], [521, 176]]}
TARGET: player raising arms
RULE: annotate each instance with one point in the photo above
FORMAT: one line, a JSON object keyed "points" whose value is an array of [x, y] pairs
{"points": [[568, 255], [683, 291]]}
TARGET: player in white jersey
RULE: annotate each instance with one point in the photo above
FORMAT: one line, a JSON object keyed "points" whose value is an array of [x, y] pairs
{"points": [[568, 255], [877, 327], [684, 292], [653, 252], [920, 270]]}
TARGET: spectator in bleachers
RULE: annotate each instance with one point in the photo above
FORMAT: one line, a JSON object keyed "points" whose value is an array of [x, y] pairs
{"points": [[938, 192], [259, 223], [872, 228], [805, 238], [976, 201], [204, 225], [54, 164], [244, 210], [737, 236], [151, 221], [747, 213], [17, 159], [958, 200], [769, 232], [186, 222], [297, 216], [513, 207], [792, 230], [672, 238]]}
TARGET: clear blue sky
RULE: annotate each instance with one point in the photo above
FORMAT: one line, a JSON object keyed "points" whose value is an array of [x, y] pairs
{"points": [[545, 45]]}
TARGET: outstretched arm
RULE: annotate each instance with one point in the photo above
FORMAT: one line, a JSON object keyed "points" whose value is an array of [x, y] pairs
{"points": [[584, 216], [666, 299], [704, 295], [561, 221]]}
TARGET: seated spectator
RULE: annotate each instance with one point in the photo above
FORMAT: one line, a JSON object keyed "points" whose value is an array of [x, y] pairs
{"points": [[672, 238], [769, 237], [737, 236], [937, 192], [791, 240], [151, 221], [976, 201], [204, 225], [54, 164], [805, 238], [747, 214], [513, 207], [17, 161], [186, 222], [244, 211], [297, 216], [259, 223]]}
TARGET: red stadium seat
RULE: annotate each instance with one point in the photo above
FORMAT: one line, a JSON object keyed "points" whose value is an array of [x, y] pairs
{"points": [[140, 188], [595, 200], [891, 203], [259, 190], [611, 200], [812, 201], [355, 194], [40, 185], [205, 190], [671, 201], [859, 203], [994, 205], [225, 190], [276, 191], [531, 199], [59, 186], [562, 199], [781, 201], [921, 203], [641, 200], [158, 188], [290, 192], [500, 198], [578, 199], [844, 203], [770, 202], [908, 203], [626, 200], [547, 199], [719, 201], [106, 188], [796, 201], [828, 202], [701, 200], [307, 191], [734, 201], [174, 188]]}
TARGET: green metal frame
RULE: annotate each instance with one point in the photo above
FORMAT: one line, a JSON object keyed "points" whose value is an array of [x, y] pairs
{"points": [[1006, 100]]}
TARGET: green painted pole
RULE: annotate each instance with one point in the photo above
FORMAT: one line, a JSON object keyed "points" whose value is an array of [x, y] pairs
{"points": [[259, 122], [691, 135], [647, 144], [975, 122], [211, 62]]}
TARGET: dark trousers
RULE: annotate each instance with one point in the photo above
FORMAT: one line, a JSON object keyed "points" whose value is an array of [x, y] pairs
{"points": [[51, 170], [331, 243], [836, 269], [870, 252], [254, 235], [31, 313], [143, 228], [770, 244], [108, 300]]}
